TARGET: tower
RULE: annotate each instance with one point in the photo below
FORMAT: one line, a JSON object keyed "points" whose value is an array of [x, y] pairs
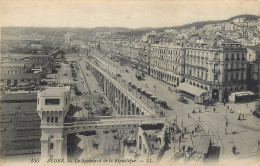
{"points": [[52, 107]]}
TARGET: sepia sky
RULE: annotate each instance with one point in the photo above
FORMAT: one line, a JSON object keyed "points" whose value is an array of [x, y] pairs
{"points": [[119, 13]]}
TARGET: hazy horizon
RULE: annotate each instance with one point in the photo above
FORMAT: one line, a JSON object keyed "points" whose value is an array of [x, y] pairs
{"points": [[120, 14]]}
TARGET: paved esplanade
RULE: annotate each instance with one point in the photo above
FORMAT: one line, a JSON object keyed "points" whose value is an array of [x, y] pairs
{"points": [[244, 134]]}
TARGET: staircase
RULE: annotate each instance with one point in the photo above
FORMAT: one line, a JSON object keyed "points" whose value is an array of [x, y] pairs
{"points": [[148, 143], [161, 153]]}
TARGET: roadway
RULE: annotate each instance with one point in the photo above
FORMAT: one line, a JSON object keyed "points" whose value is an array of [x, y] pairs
{"points": [[242, 133]]}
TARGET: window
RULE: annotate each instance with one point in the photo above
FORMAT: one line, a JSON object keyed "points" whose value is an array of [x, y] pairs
{"points": [[237, 76], [227, 57], [238, 57], [66, 100], [215, 77], [48, 119], [56, 119], [52, 101], [52, 119], [22, 80], [226, 78], [206, 76], [51, 145]]}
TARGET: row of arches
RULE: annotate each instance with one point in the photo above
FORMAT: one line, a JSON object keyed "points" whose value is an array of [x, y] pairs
{"points": [[165, 77], [197, 84], [120, 100]]}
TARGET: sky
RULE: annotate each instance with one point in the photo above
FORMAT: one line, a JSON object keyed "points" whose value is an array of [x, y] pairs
{"points": [[119, 13]]}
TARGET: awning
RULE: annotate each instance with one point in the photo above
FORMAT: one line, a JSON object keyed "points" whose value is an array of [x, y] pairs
{"points": [[196, 91], [203, 144]]}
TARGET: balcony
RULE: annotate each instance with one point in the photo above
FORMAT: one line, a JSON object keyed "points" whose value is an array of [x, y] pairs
{"points": [[237, 69], [215, 59], [216, 71]]}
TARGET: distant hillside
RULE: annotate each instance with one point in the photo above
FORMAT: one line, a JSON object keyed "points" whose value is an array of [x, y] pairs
{"points": [[197, 25], [248, 17]]}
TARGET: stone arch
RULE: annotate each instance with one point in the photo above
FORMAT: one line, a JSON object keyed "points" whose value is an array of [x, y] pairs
{"points": [[125, 105], [137, 110], [129, 107], [133, 109]]}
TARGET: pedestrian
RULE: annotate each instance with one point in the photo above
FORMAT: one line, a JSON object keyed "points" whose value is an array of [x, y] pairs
{"points": [[243, 116], [192, 132], [214, 109], [199, 119], [188, 115], [188, 149], [238, 117], [195, 129], [183, 148], [234, 149]]}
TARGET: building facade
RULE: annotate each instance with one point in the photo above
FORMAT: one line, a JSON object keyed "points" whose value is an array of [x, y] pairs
{"points": [[219, 70], [166, 63], [253, 67]]}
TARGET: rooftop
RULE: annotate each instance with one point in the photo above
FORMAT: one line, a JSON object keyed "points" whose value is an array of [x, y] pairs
{"points": [[20, 76], [18, 96], [54, 91]]}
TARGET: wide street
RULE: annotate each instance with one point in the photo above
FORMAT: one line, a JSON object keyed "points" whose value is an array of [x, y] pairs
{"points": [[244, 134]]}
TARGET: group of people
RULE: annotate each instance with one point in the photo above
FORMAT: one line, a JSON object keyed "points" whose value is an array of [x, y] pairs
{"points": [[161, 113]]}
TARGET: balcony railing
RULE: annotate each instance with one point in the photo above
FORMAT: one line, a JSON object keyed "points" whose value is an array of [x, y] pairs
{"points": [[216, 71], [237, 69], [215, 59]]}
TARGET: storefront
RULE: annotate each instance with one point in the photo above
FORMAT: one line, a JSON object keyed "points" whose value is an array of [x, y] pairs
{"points": [[195, 93], [241, 97]]}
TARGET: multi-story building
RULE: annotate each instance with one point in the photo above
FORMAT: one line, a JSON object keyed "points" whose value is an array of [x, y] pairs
{"points": [[220, 70], [253, 68], [21, 79], [13, 67], [167, 63]]}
